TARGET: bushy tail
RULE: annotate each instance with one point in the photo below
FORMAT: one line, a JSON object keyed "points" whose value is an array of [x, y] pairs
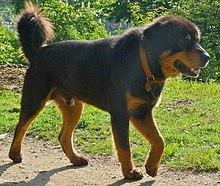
{"points": [[34, 29]]}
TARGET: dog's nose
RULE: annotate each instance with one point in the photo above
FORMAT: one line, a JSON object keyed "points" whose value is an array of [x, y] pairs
{"points": [[205, 57]]}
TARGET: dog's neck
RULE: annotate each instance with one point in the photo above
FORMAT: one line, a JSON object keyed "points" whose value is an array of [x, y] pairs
{"points": [[151, 78]]}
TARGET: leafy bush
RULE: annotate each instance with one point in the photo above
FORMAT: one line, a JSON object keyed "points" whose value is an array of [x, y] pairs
{"points": [[74, 23], [70, 22], [9, 46]]}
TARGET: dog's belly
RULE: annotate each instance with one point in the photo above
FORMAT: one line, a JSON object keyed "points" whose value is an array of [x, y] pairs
{"points": [[88, 86], [93, 96]]}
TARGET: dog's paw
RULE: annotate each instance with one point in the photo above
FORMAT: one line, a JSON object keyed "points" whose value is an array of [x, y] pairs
{"points": [[79, 161], [15, 157], [134, 174], [151, 169]]}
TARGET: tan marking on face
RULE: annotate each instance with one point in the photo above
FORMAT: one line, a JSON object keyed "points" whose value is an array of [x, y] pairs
{"points": [[165, 54], [190, 58], [133, 102]]}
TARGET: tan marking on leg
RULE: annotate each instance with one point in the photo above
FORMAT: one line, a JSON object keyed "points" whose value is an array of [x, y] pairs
{"points": [[124, 157], [21, 129], [151, 133], [71, 116]]}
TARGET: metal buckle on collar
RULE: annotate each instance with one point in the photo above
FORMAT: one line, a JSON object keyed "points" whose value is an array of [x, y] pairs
{"points": [[152, 81], [152, 78], [148, 84]]}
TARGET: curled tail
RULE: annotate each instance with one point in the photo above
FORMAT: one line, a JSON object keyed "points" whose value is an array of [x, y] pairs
{"points": [[34, 29]]}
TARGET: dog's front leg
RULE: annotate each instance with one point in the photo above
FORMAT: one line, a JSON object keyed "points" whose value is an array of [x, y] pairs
{"points": [[120, 129], [148, 128]]}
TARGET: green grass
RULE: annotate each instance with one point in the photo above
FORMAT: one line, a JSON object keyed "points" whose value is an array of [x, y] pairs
{"points": [[188, 118]]}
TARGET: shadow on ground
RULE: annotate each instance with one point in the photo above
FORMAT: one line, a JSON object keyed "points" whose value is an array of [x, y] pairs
{"points": [[40, 180]]}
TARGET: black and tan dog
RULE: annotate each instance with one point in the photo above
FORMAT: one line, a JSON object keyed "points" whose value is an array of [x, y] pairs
{"points": [[123, 75]]}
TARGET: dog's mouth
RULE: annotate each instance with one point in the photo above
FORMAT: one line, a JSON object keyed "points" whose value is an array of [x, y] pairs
{"points": [[181, 67]]}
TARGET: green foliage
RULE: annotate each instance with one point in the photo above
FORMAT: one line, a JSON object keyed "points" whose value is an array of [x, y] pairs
{"points": [[9, 47], [72, 23], [137, 12], [19, 4], [188, 118]]}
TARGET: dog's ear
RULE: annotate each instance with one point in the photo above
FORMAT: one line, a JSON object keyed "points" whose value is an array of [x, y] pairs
{"points": [[151, 29]]}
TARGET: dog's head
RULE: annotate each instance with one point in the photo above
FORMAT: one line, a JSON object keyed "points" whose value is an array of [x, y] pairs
{"points": [[174, 43]]}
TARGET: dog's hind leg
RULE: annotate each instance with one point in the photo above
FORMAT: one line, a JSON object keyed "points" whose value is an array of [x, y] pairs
{"points": [[71, 114], [34, 96], [147, 127]]}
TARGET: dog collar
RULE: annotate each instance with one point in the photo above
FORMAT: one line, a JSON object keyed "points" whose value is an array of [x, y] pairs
{"points": [[151, 79]]}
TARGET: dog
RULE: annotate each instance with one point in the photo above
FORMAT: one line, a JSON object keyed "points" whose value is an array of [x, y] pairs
{"points": [[123, 75]]}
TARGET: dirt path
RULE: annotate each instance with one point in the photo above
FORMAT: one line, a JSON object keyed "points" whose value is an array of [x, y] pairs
{"points": [[45, 164], [12, 76]]}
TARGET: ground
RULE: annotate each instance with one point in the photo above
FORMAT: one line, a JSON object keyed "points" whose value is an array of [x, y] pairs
{"points": [[11, 76], [46, 164]]}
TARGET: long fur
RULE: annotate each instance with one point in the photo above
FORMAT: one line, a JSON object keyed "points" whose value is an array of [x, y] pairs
{"points": [[34, 29]]}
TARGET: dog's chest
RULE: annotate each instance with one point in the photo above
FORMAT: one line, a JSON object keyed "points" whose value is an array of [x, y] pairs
{"points": [[144, 99]]}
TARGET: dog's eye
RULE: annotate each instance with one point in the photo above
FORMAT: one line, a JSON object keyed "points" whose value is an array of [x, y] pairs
{"points": [[187, 43], [188, 37]]}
